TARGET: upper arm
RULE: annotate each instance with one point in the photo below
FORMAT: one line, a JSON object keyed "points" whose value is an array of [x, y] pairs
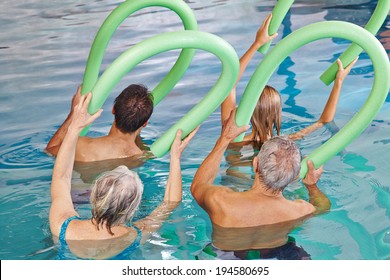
{"points": [[199, 191], [208, 196], [61, 205]]}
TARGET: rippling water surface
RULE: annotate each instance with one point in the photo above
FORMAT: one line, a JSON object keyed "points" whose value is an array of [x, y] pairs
{"points": [[43, 51]]}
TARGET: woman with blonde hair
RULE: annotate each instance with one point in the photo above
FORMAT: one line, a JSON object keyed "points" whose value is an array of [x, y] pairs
{"points": [[115, 198], [266, 118]]}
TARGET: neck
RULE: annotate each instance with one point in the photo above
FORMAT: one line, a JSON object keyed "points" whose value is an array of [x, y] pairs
{"points": [[126, 140], [260, 188]]}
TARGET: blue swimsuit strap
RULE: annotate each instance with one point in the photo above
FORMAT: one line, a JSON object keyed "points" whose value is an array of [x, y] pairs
{"points": [[126, 252], [64, 227]]}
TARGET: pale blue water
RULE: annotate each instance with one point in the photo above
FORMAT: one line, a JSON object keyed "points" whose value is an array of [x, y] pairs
{"points": [[43, 51]]}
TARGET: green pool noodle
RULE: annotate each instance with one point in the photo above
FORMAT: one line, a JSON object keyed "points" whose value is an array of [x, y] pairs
{"points": [[109, 26], [301, 37], [377, 19], [162, 43], [278, 13]]}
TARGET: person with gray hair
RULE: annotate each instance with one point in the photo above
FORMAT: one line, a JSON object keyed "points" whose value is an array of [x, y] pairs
{"points": [[280, 160], [115, 197], [257, 222]]}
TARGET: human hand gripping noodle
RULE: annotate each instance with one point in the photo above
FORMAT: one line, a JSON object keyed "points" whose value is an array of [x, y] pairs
{"points": [[115, 197]]}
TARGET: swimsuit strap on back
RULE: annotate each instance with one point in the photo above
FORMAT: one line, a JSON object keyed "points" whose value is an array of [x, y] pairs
{"points": [[64, 227], [126, 252]]}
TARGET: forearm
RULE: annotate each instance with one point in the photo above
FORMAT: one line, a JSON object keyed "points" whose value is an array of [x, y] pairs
{"points": [[63, 166], [318, 199], [229, 103], [326, 116], [173, 190], [58, 137], [331, 105], [172, 198], [208, 170], [246, 58]]}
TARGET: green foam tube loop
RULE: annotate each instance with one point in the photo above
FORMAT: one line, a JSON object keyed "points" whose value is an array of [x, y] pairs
{"points": [[109, 26], [377, 19], [301, 37], [278, 14], [162, 43]]}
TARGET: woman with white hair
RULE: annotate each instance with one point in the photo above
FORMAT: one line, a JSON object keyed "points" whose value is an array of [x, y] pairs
{"points": [[115, 197]]}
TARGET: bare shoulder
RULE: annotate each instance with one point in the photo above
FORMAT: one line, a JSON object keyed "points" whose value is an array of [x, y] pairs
{"points": [[91, 149], [88, 148], [217, 195], [304, 207], [215, 192]]}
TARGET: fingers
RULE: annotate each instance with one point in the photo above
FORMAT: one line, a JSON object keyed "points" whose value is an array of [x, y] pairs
{"points": [[273, 36], [242, 129], [340, 64], [189, 137], [94, 116], [179, 132], [267, 21], [352, 64], [310, 165], [192, 134], [85, 99], [348, 68]]}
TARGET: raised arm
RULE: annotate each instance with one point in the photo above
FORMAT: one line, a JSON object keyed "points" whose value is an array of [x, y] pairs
{"points": [[262, 38], [61, 201], [173, 189], [205, 175], [316, 197], [331, 105], [55, 142]]}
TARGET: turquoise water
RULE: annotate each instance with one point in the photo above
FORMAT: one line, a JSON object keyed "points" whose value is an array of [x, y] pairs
{"points": [[43, 51]]}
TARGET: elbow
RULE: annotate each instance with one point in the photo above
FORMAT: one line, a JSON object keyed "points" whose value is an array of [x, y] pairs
{"points": [[323, 208], [52, 150], [323, 121], [197, 193], [171, 204], [193, 188]]}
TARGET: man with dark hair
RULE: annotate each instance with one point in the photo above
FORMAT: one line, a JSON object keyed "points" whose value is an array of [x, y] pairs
{"points": [[132, 110], [257, 222]]}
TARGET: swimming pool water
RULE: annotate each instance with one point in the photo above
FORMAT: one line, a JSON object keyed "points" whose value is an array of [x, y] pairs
{"points": [[43, 51]]}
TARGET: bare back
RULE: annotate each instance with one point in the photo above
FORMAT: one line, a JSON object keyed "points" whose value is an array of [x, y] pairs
{"points": [[228, 208], [257, 237], [104, 148]]}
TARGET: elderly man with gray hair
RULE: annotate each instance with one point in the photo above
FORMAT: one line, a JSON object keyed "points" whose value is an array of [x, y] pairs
{"points": [[256, 223]]}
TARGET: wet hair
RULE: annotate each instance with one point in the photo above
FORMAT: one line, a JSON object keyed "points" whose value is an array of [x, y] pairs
{"points": [[115, 197], [133, 108], [279, 162], [267, 115]]}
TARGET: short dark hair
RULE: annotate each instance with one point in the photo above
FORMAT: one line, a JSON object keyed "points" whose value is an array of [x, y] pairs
{"points": [[133, 108]]}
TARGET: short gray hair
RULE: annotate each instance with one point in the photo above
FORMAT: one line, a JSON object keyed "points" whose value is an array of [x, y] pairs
{"points": [[279, 162], [115, 197]]}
